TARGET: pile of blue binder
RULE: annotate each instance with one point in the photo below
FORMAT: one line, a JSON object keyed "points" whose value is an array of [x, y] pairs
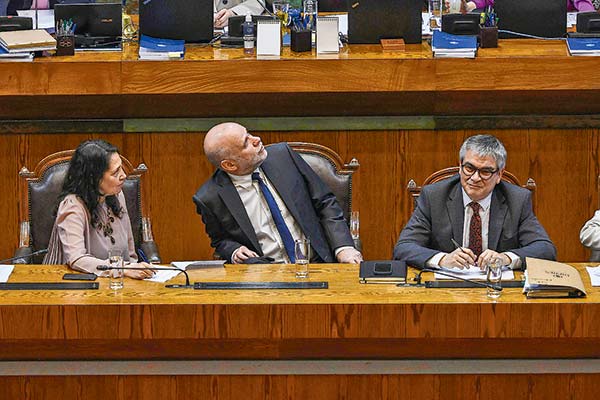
{"points": [[161, 49], [453, 46], [584, 46]]}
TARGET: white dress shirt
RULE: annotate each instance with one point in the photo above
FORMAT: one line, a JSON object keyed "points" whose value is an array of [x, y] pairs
{"points": [[261, 218], [484, 213]]}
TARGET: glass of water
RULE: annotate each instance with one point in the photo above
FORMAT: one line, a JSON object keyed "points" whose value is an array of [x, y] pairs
{"points": [[354, 225], [115, 277], [494, 277], [302, 250]]}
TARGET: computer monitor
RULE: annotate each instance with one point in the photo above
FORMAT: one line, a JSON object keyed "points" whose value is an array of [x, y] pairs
{"points": [[98, 25], [369, 21], [190, 20], [52, 3], [544, 18]]}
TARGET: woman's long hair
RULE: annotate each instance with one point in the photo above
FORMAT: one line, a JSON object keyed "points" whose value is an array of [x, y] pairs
{"points": [[88, 164]]}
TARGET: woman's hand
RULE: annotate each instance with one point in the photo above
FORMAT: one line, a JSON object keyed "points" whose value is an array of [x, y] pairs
{"points": [[147, 272]]}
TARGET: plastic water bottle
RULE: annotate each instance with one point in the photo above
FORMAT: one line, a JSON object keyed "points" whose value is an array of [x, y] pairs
{"points": [[248, 32]]}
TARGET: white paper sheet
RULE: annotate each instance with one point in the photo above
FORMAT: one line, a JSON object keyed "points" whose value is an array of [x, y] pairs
{"points": [[594, 273], [474, 274], [164, 275], [5, 271], [46, 17]]}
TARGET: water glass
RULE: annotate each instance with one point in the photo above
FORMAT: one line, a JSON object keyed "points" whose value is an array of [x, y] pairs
{"points": [[24, 234], [147, 230], [435, 13], [354, 225], [453, 6], [494, 276], [115, 276], [302, 254]]}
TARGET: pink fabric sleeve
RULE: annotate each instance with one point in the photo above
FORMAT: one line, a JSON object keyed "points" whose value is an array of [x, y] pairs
{"points": [[580, 5]]}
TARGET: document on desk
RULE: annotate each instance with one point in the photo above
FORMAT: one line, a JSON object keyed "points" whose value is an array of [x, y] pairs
{"points": [[474, 273], [594, 273], [46, 18], [5, 271], [165, 275]]}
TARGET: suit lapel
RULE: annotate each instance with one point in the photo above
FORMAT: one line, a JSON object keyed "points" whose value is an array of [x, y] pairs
{"points": [[498, 210], [456, 212], [234, 204], [284, 189]]}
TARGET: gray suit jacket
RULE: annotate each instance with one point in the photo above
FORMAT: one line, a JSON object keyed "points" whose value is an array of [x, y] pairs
{"points": [[439, 216], [240, 7], [306, 196]]}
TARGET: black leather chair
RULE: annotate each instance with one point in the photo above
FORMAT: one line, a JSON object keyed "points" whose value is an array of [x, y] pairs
{"points": [[333, 171], [446, 173], [39, 193]]}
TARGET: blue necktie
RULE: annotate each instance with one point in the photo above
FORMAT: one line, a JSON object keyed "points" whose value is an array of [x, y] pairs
{"points": [[284, 232]]}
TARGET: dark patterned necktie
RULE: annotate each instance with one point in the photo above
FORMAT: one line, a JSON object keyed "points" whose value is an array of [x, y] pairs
{"points": [[284, 232], [475, 240]]}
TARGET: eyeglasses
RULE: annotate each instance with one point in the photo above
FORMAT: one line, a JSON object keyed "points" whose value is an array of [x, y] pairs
{"points": [[484, 173]]}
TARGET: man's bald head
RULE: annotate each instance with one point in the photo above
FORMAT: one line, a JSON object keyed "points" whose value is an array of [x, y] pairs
{"points": [[230, 147]]}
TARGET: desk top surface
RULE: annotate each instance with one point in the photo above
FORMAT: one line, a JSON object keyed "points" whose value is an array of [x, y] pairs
{"points": [[344, 288]]}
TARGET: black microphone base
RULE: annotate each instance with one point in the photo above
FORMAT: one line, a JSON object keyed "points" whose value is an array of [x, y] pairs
{"points": [[178, 286]]}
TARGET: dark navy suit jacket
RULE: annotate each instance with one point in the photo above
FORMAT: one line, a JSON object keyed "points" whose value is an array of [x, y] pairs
{"points": [[306, 196], [439, 217]]}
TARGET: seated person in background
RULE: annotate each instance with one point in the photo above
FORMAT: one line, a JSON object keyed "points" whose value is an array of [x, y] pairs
{"points": [[572, 5], [256, 204], [92, 216], [226, 8], [590, 233], [487, 216]]}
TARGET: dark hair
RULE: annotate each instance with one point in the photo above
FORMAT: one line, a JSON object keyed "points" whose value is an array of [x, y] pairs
{"points": [[88, 165]]}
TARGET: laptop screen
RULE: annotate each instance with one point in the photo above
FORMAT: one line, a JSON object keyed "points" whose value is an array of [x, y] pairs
{"points": [[369, 21], [97, 25], [190, 20], [545, 18]]}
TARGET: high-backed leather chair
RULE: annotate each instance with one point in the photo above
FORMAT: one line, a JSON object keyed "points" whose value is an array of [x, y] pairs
{"points": [[446, 173], [333, 171], [595, 256], [38, 199]]}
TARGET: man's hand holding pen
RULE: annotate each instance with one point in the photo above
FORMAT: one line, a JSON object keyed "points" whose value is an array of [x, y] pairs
{"points": [[463, 257], [460, 258]]}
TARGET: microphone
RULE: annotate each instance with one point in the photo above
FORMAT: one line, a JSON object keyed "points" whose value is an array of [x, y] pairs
{"points": [[171, 286], [35, 253], [444, 273]]}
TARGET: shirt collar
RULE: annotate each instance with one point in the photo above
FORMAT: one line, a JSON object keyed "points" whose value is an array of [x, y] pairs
{"points": [[484, 203], [243, 181]]}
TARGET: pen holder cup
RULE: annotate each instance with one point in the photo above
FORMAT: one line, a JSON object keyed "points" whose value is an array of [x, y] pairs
{"points": [[301, 40], [65, 45], [488, 36]]}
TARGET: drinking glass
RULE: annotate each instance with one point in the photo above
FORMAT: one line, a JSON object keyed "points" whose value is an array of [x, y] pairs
{"points": [[115, 276], [24, 234], [147, 230], [302, 250], [281, 8], [494, 276], [435, 13], [354, 225], [453, 6]]}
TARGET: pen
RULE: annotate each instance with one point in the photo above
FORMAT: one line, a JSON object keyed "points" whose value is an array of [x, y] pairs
{"points": [[143, 257], [458, 246]]}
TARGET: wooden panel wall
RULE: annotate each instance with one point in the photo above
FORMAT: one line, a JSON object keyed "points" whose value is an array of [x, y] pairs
{"points": [[324, 387], [564, 164]]}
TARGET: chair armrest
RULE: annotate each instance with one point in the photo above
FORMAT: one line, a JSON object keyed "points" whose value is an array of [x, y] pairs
{"points": [[150, 249], [23, 255]]}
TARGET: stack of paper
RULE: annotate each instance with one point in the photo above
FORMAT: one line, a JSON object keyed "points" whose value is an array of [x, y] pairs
{"points": [[453, 46], [584, 46], [161, 49], [27, 41], [5, 56]]}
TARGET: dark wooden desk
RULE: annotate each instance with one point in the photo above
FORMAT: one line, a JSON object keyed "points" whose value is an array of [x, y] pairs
{"points": [[347, 321]]}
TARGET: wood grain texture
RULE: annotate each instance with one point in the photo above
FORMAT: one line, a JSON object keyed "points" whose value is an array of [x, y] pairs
{"points": [[349, 320], [323, 387]]}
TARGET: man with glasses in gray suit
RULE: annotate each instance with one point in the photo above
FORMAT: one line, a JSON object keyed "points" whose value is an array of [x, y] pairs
{"points": [[470, 218]]}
